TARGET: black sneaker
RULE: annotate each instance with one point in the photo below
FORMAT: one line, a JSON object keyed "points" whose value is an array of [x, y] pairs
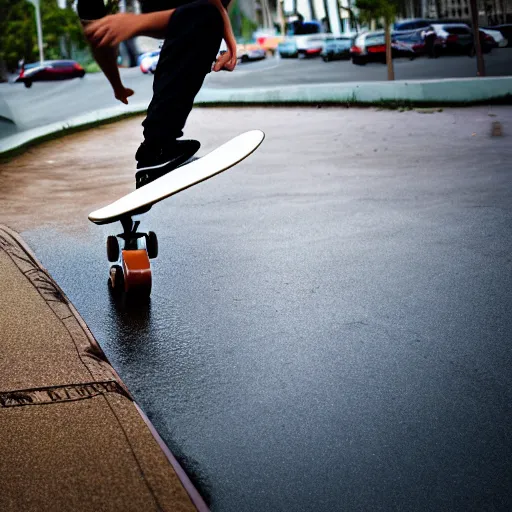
{"points": [[153, 163]]}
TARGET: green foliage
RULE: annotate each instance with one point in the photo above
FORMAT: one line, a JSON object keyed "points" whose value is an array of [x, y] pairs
{"points": [[60, 25], [18, 33], [91, 66], [248, 28], [377, 9], [113, 6], [243, 27]]}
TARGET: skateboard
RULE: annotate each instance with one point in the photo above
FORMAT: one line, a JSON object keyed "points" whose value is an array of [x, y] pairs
{"points": [[130, 270]]}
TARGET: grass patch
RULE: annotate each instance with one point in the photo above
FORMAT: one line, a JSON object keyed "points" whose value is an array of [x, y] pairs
{"points": [[91, 67]]}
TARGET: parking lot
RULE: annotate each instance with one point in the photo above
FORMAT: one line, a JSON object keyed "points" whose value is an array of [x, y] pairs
{"points": [[314, 70]]}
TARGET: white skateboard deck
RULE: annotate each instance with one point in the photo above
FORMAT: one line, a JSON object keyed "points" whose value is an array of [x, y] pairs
{"points": [[219, 160]]}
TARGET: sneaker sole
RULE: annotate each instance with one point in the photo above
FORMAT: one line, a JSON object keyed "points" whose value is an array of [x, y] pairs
{"points": [[152, 173]]}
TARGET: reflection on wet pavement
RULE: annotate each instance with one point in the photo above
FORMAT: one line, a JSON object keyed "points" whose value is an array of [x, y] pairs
{"points": [[329, 323]]}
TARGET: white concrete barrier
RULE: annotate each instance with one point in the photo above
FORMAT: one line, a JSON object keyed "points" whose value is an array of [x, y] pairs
{"points": [[450, 91], [408, 92]]}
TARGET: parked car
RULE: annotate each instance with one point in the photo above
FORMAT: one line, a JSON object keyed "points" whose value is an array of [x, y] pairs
{"points": [[337, 48], [487, 42], [408, 44], [506, 32], [449, 38], [269, 43], [411, 24], [148, 61], [311, 46], [249, 52], [499, 39], [49, 70], [369, 47], [287, 49], [455, 38]]}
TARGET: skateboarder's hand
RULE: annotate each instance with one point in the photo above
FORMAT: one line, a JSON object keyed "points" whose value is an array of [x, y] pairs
{"points": [[225, 62], [112, 30], [123, 93]]}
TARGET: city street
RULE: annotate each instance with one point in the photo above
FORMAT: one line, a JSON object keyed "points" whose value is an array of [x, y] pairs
{"points": [[48, 102], [330, 325]]}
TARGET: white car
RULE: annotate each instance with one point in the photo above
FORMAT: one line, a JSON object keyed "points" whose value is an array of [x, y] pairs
{"points": [[501, 41], [310, 45], [148, 61], [249, 52]]}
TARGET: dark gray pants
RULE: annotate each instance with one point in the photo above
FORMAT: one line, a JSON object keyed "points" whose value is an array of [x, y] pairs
{"points": [[190, 47]]}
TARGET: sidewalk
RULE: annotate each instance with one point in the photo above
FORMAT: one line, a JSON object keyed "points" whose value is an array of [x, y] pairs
{"points": [[73, 439]]}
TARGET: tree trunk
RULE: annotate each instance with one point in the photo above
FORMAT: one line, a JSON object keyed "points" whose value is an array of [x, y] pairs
{"points": [[3, 71], [389, 55], [480, 64]]}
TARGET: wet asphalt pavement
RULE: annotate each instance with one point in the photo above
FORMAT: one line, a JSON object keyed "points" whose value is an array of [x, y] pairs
{"points": [[330, 326]]}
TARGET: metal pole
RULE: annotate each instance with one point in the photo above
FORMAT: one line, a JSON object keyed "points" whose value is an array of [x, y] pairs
{"points": [[480, 64], [39, 29]]}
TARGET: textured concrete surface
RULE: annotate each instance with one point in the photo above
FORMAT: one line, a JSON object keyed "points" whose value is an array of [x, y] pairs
{"points": [[71, 436], [330, 323]]}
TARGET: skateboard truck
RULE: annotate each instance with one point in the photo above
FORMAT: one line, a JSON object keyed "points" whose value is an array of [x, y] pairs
{"points": [[131, 269]]}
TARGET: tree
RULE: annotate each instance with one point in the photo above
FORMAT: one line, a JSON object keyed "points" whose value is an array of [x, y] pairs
{"points": [[18, 31], [480, 64], [60, 25], [351, 14], [384, 10]]}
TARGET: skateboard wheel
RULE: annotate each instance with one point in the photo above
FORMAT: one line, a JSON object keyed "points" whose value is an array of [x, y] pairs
{"points": [[116, 279], [112, 249], [152, 244], [137, 272]]}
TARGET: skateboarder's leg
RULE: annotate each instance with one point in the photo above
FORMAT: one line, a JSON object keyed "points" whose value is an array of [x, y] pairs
{"points": [[193, 39]]}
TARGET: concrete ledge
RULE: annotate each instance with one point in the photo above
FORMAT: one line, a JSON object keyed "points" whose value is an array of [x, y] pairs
{"points": [[452, 91], [19, 140], [461, 91], [73, 437]]}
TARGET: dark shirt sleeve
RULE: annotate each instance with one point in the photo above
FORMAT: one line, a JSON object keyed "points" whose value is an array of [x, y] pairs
{"points": [[91, 9], [95, 9], [164, 5]]}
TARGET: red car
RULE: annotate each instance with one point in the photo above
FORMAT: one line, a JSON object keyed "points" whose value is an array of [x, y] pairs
{"points": [[371, 47], [49, 70]]}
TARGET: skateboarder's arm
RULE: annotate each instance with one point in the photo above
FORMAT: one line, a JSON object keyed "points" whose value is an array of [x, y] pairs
{"points": [[106, 33], [106, 57], [116, 28], [228, 60], [111, 30]]}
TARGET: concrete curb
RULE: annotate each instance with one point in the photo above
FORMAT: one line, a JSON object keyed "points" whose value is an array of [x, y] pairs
{"points": [[71, 386], [451, 91], [457, 91]]}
